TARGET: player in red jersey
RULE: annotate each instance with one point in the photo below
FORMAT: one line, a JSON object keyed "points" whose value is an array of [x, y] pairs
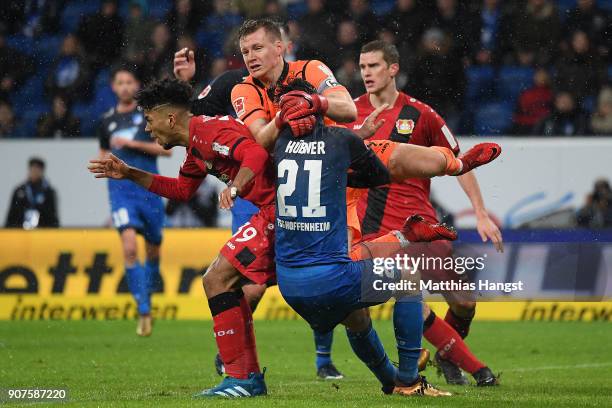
{"points": [[381, 210], [224, 147]]}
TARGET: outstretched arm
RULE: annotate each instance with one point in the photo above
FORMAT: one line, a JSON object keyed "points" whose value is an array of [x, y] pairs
{"points": [[180, 189], [485, 226]]}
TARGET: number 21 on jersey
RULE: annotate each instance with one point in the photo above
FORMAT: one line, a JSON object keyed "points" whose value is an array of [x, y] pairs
{"points": [[289, 168]]}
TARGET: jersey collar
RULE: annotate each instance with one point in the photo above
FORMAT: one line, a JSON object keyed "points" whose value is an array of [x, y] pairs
{"points": [[281, 79]]}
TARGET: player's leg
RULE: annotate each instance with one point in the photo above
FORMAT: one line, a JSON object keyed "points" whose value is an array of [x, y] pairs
{"points": [[459, 317], [412, 161], [153, 215], [407, 323], [367, 346], [136, 280], [232, 317], [248, 254]]}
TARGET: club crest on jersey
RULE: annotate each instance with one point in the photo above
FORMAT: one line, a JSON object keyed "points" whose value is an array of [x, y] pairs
{"points": [[404, 126], [239, 106], [204, 92]]}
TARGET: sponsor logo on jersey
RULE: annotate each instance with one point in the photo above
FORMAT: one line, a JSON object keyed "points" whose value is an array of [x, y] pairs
{"points": [[239, 106], [404, 126], [221, 149], [204, 92]]}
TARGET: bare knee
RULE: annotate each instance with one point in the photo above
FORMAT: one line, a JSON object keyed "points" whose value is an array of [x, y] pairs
{"points": [[128, 242], [220, 277], [358, 321], [253, 294], [463, 308]]}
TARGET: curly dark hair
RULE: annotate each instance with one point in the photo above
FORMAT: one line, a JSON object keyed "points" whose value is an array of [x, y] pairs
{"points": [[297, 84], [165, 91]]}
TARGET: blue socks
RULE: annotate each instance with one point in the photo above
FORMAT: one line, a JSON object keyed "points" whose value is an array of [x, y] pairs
{"points": [[408, 324], [369, 349], [139, 286], [153, 275], [323, 345]]}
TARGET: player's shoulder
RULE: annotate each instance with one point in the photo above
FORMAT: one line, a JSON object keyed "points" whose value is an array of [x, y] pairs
{"points": [[109, 113], [362, 101], [422, 107]]}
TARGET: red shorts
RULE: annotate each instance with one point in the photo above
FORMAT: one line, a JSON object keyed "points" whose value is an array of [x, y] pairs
{"points": [[251, 249]]}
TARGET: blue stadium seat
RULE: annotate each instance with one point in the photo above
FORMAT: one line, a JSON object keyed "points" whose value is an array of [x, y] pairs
{"points": [[29, 118], [493, 118], [381, 7], [512, 80], [296, 10], [212, 42], [589, 104], [31, 95], [605, 4], [159, 8], [74, 11], [564, 6], [480, 84], [47, 48], [22, 43]]}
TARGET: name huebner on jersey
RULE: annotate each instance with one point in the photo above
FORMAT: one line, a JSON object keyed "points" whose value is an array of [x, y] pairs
{"points": [[303, 226], [302, 147]]}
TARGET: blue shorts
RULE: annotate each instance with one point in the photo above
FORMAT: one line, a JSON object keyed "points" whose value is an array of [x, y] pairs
{"points": [[143, 213], [242, 211], [324, 295]]}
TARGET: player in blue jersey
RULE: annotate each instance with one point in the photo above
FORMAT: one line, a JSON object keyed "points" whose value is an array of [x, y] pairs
{"points": [[314, 272], [215, 99], [133, 208]]}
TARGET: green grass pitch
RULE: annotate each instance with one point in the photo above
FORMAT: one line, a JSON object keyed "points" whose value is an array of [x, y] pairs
{"points": [[106, 364]]}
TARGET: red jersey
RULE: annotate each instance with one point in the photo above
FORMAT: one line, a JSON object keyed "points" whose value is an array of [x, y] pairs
{"points": [[220, 146], [384, 209]]}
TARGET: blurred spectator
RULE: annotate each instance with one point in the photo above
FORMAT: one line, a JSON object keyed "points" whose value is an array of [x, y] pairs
{"points": [[41, 16], [537, 28], [15, 67], [436, 78], [101, 34], [224, 18], [347, 41], [186, 41], [34, 202], [495, 27], [601, 121], [407, 21], [200, 211], [183, 18], [318, 28], [11, 16], [69, 74], [566, 119], [218, 66], [460, 25], [251, 8], [579, 70], [595, 22], [158, 62], [348, 75], [60, 122], [137, 34], [8, 123], [597, 212], [534, 103], [366, 22], [274, 9]]}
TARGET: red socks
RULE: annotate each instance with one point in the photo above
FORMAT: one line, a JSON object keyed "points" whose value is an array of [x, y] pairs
{"points": [[460, 324], [233, 329], [450, 345]]}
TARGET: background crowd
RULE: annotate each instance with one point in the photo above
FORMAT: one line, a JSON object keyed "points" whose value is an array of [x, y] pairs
{"points": [[526, 67]]}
